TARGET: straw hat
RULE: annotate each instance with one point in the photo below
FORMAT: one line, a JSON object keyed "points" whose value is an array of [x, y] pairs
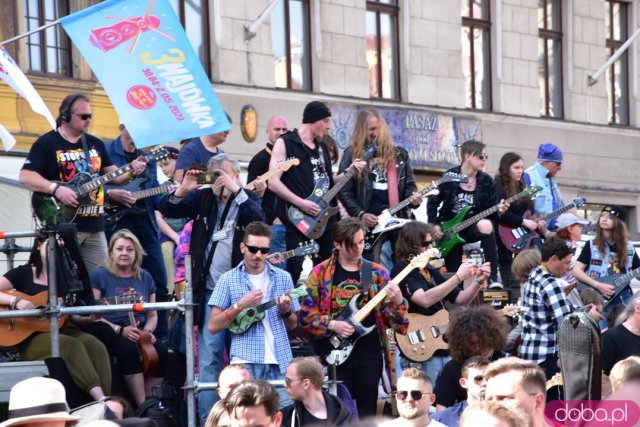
{"points": [[37, 399]]}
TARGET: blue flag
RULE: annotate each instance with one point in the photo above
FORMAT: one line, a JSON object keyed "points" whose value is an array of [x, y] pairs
{"points": [[145, 63]]}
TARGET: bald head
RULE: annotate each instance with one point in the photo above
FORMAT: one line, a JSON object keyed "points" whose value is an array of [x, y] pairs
{"points": [[276, 126]]}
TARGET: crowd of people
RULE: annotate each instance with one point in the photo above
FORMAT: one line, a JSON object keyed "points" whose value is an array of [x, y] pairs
{"points": [[133, 236]]}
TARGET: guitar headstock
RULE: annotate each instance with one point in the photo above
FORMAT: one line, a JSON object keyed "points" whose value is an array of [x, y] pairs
{"points": [[513, 309], [159, 153], [530, 191], [453, 177], [579, 202], [369, 152], [130, 297], [285, 165], [308, 248], [299, 292], [420, 261]]}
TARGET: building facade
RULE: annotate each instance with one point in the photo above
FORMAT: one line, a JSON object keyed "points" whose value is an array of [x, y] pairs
{"points": [[514, 73]]}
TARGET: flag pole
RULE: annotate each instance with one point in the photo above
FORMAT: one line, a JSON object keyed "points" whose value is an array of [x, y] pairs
{"points": [[28, 33]]}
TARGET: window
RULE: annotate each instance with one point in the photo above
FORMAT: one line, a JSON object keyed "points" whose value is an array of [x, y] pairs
{"points": [[48, 51], [550, 57], [291, 44], [194, 16], [382, 48], [476, 53], [618, 72]]}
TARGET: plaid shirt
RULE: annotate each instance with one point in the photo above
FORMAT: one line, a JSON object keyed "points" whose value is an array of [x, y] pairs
{"points": [[250, 345], [547, 304]]}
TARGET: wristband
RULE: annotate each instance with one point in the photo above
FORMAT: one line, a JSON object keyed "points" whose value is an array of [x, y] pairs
{"points": [[119, 330], [286, 315], [478, 284], [332, 325]]}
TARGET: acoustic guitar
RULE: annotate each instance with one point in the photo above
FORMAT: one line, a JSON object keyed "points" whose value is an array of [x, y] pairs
{"points": [[426, 334]]}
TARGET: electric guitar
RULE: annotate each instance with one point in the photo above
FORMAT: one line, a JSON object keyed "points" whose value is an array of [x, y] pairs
{"points": [[335, 349], [517, 239], [426, 334], [387, 221], [86, 188], [313, 226], [620, 281], [15, 330], [249, 316], [309, 248], [455, 225], [284, 165], [114, 211]]}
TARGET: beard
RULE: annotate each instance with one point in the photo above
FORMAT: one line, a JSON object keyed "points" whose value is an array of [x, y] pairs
{"points": [[409, 413]]}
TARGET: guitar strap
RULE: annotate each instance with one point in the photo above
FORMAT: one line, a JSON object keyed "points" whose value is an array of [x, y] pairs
{"points": [[366, 274], [87, 154], [221, 222]]}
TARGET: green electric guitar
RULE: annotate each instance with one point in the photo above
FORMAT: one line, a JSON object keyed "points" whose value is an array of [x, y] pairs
{"points": [[251, 315], [455, 225]]}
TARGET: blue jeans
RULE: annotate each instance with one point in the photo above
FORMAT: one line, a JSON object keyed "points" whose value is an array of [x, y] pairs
{"points": [[433, 366], [260, 371], [211, 355], [279, 241]]}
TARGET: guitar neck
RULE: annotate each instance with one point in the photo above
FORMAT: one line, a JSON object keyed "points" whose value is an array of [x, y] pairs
{"points": [[265, 176], [626, 277], [558, 212], [151, 192], [106, 178], [470, 221], [366, 309], [333, 192], [265, 306]]}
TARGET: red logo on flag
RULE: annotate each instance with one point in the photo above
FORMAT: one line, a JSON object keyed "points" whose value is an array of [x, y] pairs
{"points": [[141, 97]]}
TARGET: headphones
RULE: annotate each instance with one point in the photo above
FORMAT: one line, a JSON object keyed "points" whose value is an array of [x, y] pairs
{"points": [[65, 115]]}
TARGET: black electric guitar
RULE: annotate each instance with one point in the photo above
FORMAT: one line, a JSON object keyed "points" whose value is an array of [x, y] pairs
{"points": [[313, 226], [335, 349], [114, 211], [387, 221], [620, 281], [86, 187]]}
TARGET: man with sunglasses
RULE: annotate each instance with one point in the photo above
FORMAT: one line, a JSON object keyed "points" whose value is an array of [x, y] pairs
{"points": [[543, 174], [219, 213], [480, 193], [264, 347], [414, 396], [57, 156], [473, 381], [274, 207]]}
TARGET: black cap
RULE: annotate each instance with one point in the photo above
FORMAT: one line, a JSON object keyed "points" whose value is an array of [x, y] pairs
{"points": [[314, 111], [616, 210]]}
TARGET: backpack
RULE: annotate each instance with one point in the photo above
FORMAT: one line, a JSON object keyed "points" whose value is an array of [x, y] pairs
{"points": [[580, 350], [163, 406]]}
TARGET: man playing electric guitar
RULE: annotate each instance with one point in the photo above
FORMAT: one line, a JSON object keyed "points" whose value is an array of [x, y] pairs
{"points": [[480, 194], [296, 184], [59, 156], [264, 347], [426, 289], [331, 286]]}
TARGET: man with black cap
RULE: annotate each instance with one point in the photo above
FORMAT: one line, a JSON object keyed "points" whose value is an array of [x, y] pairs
{"points": [[296, 184], [543, 174]]}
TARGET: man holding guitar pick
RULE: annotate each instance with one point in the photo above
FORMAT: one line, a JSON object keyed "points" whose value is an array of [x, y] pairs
{"points": [[263, 347], [332, 284], [58, 156], [480, 194]]}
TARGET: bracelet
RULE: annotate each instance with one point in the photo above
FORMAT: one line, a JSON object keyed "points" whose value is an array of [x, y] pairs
{"points": [[458, 277], [53, 188], [131, 176], [332, 325], [596, 285], [286, 315], [478, 284], [14, 302], [120, 330]]}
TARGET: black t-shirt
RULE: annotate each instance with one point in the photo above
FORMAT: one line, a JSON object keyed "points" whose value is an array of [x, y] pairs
{"points": [[585, 258], [272, 205], [463, 199], [345, 285], [22, 280], [415, 281], [306, 419], [380, 191], [57, 159], [618, 343]]}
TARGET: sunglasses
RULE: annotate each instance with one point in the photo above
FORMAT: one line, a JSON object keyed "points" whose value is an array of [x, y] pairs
{"points": [[84, 116], [288, 380], [483, 156], [415, 394], [478, 378], [427, 243], [255, 249]]}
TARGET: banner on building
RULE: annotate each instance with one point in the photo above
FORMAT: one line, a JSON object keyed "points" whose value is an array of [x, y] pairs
{"points": [[12, 75], [153, 77], [432, 139]]}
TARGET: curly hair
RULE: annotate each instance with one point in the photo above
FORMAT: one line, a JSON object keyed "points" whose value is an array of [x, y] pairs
{"points": [[483, 322]]}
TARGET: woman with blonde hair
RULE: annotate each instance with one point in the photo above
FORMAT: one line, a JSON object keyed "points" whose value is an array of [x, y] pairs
{"points": [[122, 274], [385, 181]]}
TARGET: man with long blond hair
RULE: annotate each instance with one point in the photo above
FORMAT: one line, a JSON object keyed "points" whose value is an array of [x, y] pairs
{"points": [[384, 182]]}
